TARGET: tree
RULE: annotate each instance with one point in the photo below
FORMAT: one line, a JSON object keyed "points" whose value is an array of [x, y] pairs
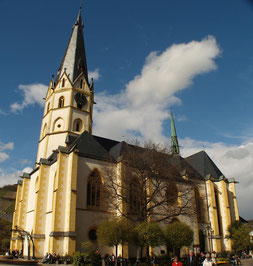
{"points": [[148, 234], [177, 235], [148, 184], [114, 232], [240, 236]]}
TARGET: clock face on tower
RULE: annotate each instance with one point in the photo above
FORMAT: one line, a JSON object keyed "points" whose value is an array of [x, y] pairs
{"points": [[80, 99]]}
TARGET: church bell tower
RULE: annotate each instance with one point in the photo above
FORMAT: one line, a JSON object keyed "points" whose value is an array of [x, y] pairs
{"points": [[70, 97]]}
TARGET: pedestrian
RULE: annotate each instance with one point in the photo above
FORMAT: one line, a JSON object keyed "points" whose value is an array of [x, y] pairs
{"points": [[176, 262], [213, 257], [208, 261], [191, 260]]}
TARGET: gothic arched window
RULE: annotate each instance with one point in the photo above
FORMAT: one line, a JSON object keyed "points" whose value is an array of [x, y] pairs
{"points": [[94, 189], [135, 196], [219, 219], [78, 125], [63, 83], [81, 83], [61, 102], [172, 193], [198, 203]]}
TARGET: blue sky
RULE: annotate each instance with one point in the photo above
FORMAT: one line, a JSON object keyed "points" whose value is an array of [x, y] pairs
{"points": [[213, 110]]}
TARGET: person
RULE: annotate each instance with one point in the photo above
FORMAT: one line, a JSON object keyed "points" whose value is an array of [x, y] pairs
{"points": [[152, 259], [202, 257], [45, 258], [191, 260], [208, 261], [176, 262], [213, 257]]}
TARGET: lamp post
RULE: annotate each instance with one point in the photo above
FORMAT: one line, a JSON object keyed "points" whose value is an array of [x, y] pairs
{"points": [[209, 233]]}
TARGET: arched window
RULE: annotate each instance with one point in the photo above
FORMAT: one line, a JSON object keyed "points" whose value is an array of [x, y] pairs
{"points": [[63, 83], [61, 102], [44, 132], [94, 190], [92, 235], [78, 125], [198, 203], [81, 83], [172, 194], [48, 107], [58, 124], [218, 211], [135, 196]]}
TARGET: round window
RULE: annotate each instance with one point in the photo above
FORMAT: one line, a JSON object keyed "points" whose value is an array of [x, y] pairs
{"points": [[93, 235]]}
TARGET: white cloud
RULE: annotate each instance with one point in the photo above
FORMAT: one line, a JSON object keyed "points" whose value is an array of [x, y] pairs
{"points": [[7, 178], [95, 75], [233, 161], [142, 107], [33, 94], [5, 147]]}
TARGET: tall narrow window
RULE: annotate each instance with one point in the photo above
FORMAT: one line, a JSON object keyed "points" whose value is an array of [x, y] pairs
{"points": [[78, 125], [135, 196], [61, 102], [198, 204], [63, 83], [94, 190], [218, 211], [172, 194], [81, 83]]}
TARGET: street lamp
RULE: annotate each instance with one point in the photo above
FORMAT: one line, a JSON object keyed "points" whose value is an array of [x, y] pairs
{"points": [[209, 233]]}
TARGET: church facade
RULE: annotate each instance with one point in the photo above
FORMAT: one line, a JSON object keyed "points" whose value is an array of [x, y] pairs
{"points": [[58, 203]]}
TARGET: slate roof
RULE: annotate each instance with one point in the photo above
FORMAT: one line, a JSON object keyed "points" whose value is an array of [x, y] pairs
{"points": [[100, 148], [74, 60], [202, 163], [87, 145], [185, 168]]}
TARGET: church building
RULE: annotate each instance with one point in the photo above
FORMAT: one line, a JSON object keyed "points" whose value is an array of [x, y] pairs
{"points": [[58, 203]]}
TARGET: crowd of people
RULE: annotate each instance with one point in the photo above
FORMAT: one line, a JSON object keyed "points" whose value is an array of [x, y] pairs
{"points": [[15, 253], [53, 258]]}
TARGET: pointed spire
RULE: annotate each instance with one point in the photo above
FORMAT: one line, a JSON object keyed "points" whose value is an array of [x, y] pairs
{"points": [[74, 60], [174, 142]]}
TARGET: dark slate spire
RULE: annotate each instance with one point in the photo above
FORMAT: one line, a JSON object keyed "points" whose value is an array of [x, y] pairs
{"points": [[74, 60], [174, 142]]}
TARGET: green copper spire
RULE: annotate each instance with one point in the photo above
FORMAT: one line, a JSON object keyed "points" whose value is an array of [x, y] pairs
{"points": [[174, 142]]}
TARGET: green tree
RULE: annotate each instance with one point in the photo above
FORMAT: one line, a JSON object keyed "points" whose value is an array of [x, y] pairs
{"points": [[240, 236], [177, 235], [114, 232], [148, 234]]}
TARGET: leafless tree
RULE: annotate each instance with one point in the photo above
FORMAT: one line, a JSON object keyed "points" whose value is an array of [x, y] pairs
{"points": [[146, 184]]}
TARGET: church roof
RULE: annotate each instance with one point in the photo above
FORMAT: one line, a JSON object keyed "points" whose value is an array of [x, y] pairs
{"points": [[107, 149], [74, 60], [185, 168], [202, 163], [88, 145]]}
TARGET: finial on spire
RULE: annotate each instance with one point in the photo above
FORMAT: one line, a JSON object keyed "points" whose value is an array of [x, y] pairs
{"points": [[174, 142], [81, 4]]}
